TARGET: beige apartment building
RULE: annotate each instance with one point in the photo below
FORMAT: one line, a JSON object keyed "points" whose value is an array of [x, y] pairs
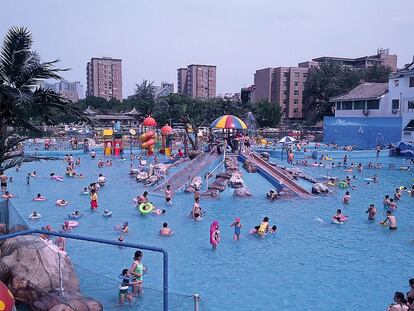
{"points": [[283, 86], [198, 81], [104, 78]]}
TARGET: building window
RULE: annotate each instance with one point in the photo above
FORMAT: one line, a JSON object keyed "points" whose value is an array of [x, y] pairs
{"points": [[305, 75], [396, 82], [338, 106], [296, 92], [284, 83], [411, 81], [296, 74], [373, 104], [411, 104], [284, 92], [296, 83], [296, 111], [295, 102], [395, 104], [359, 105], [286, 75], [347, 105]]}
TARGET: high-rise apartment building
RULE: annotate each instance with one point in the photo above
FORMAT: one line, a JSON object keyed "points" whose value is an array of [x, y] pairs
{"points": [[69, 90], [104, 78], [197, 81], [283, 86]]}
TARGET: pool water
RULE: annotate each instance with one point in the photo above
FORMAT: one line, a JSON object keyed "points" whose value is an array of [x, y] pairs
{"points": [[307, 265]]}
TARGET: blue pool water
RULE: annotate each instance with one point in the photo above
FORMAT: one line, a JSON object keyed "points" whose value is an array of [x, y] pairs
{"points": [[307, 265]]}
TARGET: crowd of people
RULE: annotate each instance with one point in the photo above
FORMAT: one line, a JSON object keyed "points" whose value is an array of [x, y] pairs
{"points": [[132, 278]]}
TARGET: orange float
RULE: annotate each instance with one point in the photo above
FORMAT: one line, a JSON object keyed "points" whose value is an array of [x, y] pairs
{"points": [[6, 298]]}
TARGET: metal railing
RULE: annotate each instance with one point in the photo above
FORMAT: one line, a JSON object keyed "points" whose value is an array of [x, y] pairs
{"points": [[107, 242]]}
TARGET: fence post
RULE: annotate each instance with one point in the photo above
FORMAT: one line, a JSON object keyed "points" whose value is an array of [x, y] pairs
{"points": [[60, 277], [197, 299]]}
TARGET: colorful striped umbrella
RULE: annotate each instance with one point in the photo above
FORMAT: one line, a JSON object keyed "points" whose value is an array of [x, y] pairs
{"points": [[228, 122]]}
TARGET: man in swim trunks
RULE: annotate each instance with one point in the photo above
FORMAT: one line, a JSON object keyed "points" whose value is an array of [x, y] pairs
{"points": [[391, 220], [371, 211], [3, 181]]}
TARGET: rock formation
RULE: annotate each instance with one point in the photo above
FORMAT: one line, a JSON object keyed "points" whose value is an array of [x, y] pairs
{"points": [[30, 267]]}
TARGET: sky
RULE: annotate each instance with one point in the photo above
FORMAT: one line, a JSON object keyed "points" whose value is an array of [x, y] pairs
{"points": [[154, 38]]}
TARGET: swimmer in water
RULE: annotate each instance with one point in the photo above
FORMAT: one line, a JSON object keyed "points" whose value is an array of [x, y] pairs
{"points": [[263, 227], [143, 198], [386, 202], [393, 206], [165, 231], [273, 229], [237, 228], [346, 199], [371, 211], [339, 217], [196, 211], [391, 221], [397, 194]]}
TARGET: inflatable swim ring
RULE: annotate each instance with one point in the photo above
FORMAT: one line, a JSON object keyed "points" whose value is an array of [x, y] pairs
{"points": [[348, 170], [401, 188], [74, 216], [73, 223], [85, 192], [39, 199], [145, 208], [368, 179], [158, 211], [59, 203], [331, 184], [35, 217], [343, 185], [108, 214], [342, 220]]}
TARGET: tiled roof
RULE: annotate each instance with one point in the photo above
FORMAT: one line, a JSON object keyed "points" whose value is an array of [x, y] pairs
{"points": [[364, 91]]}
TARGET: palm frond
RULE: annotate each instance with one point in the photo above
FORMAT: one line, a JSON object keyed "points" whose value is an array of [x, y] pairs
{"points": [[14, 54]]}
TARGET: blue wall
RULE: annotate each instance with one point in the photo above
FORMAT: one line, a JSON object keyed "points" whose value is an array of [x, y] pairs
{"points": [[361, 131]]}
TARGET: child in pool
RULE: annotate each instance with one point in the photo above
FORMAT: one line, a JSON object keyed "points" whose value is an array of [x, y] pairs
{"points": [[124, 287], [168, 195], [237, 227], [273, 229], [165, 231], [124, 228]]}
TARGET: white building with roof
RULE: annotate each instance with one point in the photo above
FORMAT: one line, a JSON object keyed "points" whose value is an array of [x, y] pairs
{"points": [[376, 105]]}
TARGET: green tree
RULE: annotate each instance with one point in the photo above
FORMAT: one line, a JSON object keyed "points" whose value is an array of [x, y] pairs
{"points": [[331, 80], [267, 114], [24, 105]]}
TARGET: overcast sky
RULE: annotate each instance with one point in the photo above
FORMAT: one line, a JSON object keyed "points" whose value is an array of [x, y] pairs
{"points": [[154, 38]]}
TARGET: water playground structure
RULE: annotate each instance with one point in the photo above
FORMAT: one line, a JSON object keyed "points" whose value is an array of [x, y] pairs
{"points": [[113, 140]]}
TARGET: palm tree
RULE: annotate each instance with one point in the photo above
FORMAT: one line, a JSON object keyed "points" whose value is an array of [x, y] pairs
{"points": [[24, 105]]}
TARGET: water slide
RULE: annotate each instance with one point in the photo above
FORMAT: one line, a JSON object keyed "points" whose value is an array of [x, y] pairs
{"points": [[278, 174], [191, 170], [147, 142]]}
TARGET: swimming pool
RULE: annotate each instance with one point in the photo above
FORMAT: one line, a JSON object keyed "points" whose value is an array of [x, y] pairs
{"points": [[307, 265]]}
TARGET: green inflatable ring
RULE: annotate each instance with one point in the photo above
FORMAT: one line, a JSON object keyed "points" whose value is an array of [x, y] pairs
{"points": [[343, 185], [145, 208]]}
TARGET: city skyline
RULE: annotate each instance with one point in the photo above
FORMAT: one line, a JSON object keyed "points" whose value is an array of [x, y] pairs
{"points": [[234, 35]]}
